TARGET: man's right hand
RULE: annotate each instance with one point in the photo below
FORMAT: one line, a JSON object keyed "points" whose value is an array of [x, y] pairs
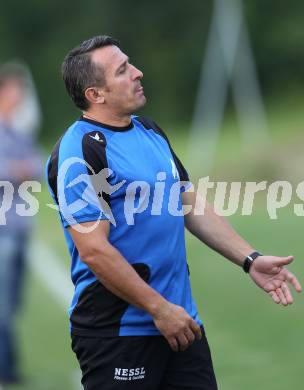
{"points": [[175, 324]]}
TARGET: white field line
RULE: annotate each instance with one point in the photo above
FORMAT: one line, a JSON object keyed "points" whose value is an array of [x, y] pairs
{"points": [[47, 266], [55, 278]]}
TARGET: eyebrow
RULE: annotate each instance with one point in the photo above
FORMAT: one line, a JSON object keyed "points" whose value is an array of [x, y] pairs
{"points": [[121, 65]]}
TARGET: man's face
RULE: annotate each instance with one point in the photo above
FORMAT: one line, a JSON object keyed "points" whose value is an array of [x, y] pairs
{"points": [[123, 91], [11, 94]]}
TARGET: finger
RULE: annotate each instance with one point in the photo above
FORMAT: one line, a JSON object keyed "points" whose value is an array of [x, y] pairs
{"points": [[189, 335], [196, 330], [275, 297], [281, 296], [173, 344], [183, 342], [281, 261], [294, 281], [273, 285], [287, 293]]}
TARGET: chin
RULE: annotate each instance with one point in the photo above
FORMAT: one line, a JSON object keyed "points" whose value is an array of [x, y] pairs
{"points": [[137, 105], [141, 103]]}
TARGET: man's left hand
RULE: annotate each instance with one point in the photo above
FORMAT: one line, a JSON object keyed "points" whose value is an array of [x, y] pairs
{"points": [[269, 273]]}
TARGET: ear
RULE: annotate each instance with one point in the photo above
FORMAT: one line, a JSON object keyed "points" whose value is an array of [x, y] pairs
{"points": [[94, 95]]}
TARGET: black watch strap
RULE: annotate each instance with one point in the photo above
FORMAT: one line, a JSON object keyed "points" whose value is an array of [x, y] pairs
{"points": [[249, 260]]}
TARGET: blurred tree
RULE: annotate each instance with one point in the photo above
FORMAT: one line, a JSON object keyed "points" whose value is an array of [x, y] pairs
{"points": [[163, 38], [277, 33]]}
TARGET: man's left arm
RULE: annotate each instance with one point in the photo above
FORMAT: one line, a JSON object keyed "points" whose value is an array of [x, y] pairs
{"points": [[268, 272]]}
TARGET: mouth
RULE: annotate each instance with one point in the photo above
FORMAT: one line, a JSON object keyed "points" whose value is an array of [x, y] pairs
{"points": [[139, 90]]}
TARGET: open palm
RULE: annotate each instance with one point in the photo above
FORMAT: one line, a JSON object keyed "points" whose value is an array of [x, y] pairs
{"points": [[269, 273]]}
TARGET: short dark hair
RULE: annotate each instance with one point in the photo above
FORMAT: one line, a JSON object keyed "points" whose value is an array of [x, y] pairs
{"points": [[79, 71]]}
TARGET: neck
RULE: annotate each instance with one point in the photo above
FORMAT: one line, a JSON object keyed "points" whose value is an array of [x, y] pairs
{"points": [[108, 118]]}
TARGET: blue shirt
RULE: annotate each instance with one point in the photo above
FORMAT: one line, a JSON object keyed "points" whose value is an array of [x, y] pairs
{"points": [[131, 177]]}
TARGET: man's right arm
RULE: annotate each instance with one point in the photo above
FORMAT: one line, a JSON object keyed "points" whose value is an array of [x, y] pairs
{"points": [[118, 276]]}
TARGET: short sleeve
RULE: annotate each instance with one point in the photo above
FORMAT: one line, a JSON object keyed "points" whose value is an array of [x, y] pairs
{"points": [[82, 187]]}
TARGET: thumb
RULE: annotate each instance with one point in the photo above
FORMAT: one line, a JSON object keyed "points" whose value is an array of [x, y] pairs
{"points": [[281, 261]]}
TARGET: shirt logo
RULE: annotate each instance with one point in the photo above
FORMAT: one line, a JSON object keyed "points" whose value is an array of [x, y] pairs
{"points": [[129, 374], [96, 137], [174, 170]]}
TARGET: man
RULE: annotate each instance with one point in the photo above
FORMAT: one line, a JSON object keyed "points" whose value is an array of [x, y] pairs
{"points": [[120, 189], [20, 161]]}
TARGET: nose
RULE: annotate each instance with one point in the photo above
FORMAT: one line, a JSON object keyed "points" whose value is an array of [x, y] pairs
{"points": [[137, 74]]}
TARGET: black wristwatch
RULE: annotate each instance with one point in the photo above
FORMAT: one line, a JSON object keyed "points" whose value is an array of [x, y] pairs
{"points": [[249, 260]]}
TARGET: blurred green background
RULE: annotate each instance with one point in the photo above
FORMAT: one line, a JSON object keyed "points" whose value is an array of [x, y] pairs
{"points": [[255, 343]]}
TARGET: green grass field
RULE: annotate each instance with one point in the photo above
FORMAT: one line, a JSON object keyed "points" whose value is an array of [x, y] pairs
{"points": [[255, 344]]}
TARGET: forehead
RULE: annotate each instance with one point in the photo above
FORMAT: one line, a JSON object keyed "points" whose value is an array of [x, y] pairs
{"points": [[109, 57], [11, 83]]}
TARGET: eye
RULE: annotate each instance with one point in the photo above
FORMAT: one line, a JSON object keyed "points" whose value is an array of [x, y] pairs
{"points": [[122, 70]]}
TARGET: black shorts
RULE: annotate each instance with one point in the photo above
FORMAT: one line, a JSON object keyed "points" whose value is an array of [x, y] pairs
{"points": [[143, 363]]}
